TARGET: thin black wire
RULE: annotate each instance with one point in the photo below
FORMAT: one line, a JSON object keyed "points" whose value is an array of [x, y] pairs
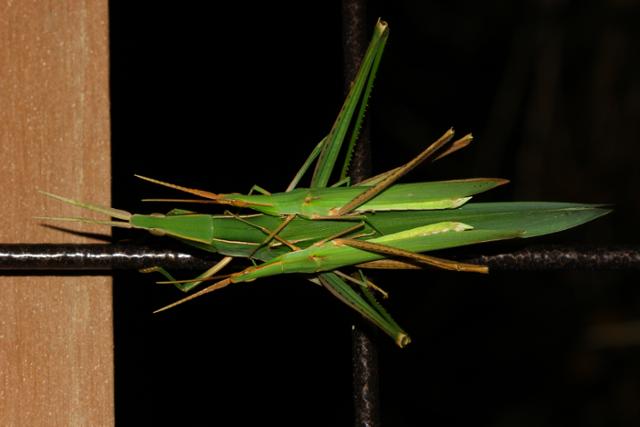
{"points": [[97, 257], [20, 257]]}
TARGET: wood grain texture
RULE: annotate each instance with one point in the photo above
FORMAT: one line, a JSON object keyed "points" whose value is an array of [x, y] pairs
{"points": [[56, 339]]}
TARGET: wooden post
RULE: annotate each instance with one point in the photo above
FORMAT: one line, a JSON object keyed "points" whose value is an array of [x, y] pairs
{"points": [[56, 339]]}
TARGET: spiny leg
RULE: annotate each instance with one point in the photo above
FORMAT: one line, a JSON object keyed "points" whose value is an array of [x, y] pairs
{"points": [[424, 259], [345, 293], [360, 88], [372, 299], [389, 264]]}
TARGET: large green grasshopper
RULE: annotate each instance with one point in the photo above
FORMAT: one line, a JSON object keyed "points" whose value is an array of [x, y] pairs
{"points": [[377, 224]]}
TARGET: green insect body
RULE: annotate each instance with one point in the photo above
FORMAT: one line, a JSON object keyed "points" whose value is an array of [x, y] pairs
{"points": [[318, 231], [229, 235], [336, 254], [239, 236], [323, 202]]}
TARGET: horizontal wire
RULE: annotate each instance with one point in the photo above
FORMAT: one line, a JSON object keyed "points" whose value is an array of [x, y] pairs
{"points": [[131, 256], [98, 257]]}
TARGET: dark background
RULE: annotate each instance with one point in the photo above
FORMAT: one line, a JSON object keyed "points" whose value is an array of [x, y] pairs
{"points": [[229, 96]]}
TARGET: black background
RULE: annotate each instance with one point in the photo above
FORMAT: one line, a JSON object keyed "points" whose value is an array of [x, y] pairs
{"points": [[229, 96]]}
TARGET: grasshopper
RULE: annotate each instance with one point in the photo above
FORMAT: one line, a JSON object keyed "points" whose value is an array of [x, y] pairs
{"points": [[378, 223]]}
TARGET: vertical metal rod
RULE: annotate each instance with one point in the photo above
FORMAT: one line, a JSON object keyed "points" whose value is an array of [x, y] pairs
{"points": [[364, 350]]}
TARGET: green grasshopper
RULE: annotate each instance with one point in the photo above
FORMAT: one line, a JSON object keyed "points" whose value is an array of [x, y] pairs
{"points": [[325, 203], [376, 224], [239, 236]]}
